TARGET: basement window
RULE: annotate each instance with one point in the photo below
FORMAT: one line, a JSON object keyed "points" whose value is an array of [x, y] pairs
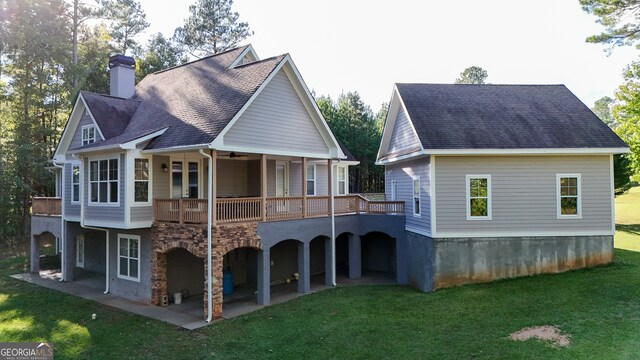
{"points": [[478, 197], [129, 257]]}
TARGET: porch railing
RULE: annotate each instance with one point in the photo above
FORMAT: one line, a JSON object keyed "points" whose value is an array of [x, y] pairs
{"points": [[48, 206], [276, 208]]}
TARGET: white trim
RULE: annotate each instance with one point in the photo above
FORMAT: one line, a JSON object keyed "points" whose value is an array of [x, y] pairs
{"points": [[413, 196], [185, 159], [432, 193], [578, 196], [79, 165], [64, 139], [173, 149], [92, 117], [89, 193], [285, 175], [315, 178], [128, 237], [316, 116], [79, 240], [394, 190], [533, 233], [468, 196], [418, 231], [613, 194], [149, 180], [118, 224], [87, 128], [346, 178], [238, 60], [545, 151], [251, 150]]}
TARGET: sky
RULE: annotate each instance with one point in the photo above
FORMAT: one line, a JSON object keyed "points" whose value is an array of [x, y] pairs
{"points": [[367, 46]]}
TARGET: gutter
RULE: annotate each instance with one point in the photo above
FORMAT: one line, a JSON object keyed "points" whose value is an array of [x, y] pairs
{"points": [[82, 225], [209, 226], [63, 227], [333, 224]]}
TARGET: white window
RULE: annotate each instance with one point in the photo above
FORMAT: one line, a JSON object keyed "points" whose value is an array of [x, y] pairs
{"points": [[129, 257], [103, 181], [141, 180], [342, 180], [568, 196], [75, 183], [416, 196], [394, 189], [88, 134], [478, 197], [311, 179], [80, 251]]}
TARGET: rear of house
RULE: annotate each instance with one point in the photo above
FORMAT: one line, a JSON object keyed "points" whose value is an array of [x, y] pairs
{"points": [[499, 181]]}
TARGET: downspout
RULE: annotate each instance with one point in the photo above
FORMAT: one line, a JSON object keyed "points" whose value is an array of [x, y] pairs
{"points": [[209, 212], [333, 226], [63, 227], [82, 225]]}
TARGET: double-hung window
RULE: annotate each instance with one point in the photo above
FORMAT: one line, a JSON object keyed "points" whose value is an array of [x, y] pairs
{"points": [[88, 134], [416, 196], [478, 197], [141, 180], [129, 257], [75, 183], [103, 181], [342, 180], [569, 200], [311, 179]]}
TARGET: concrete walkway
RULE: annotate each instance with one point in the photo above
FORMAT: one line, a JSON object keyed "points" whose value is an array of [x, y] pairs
{"points": [[184, 315]]}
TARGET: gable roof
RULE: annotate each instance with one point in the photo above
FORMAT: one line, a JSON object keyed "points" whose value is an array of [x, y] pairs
{"points": [[450, 117], [112, 114]]}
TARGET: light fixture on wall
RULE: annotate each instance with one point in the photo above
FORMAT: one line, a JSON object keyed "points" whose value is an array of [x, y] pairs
{"points": [[165, 168]]}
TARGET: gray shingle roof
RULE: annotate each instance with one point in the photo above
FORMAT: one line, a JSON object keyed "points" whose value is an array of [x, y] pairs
{"points": [[458, 116], [194, 102]]}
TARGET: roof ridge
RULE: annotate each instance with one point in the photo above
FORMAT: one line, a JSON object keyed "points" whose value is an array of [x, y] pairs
{"points": [[450, 84], [262, 60], [108, 96], [202, 58]]}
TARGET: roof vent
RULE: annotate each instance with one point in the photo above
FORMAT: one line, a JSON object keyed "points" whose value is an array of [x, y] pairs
{"points": [[122, 76]]}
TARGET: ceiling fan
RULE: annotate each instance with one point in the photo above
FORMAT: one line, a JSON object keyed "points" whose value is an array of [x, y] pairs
{"points": [[233, 155]]}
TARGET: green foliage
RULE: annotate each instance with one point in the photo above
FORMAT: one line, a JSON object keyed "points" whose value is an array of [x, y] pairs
{"points": [[620, 18], [472, 75], [626, 113], [354, 124], [126, 20], [602, 108], [94, 51], [159, 54], [211, 27]]}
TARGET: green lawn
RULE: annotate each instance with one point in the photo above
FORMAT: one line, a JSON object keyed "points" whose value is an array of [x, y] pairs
{"points": [[598, 307]]}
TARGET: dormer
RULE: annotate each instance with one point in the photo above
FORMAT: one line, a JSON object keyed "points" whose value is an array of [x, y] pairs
{"points": [[247, 56]]}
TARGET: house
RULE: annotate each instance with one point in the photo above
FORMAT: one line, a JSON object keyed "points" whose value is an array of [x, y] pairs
{"points": [[219, 170], [498, 181]]}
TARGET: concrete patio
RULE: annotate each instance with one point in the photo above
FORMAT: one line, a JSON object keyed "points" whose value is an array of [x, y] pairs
{"points": [[187, 315]]}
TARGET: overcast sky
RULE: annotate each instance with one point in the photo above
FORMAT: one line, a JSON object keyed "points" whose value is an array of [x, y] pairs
{"points": [[367, 46]]}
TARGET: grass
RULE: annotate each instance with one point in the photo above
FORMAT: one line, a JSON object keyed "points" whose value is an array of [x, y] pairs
{"points": [[598, 307]]}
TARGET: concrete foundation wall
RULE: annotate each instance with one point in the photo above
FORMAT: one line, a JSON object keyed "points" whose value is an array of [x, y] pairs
{"points": [[95, 252], [466, 260], [420, 269]]}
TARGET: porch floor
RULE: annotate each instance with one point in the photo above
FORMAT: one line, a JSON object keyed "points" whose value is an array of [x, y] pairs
{"points": [[189, 314]]}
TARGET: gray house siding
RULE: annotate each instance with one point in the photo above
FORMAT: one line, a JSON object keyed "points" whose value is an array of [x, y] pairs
{"points": [[403, 138], [70, 209], [160, 178], [141, 213], [76, 140], [523, 193], [232, 178], [403, 175], [281, 119], [107, 213]]}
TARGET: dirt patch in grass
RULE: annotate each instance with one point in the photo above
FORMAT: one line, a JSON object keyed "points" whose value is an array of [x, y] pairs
{"points": [[547, 333]]}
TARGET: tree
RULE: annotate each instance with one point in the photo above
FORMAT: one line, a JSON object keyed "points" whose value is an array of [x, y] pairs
{"points": [[126, 20], [94, 50], [602, 108], [472, 75], [160, 53], [211, 28], [626, 113], [79, 13], [620, 18]]}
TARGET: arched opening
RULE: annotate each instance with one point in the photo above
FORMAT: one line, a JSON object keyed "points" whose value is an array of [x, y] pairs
{"points": [[239, 277], [342, 255], [379, 255], [286, 268], [185, 280], [318, 261], [45, 255]]}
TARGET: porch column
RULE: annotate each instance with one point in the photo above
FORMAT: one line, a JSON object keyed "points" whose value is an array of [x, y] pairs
{"points": [[263, 186], [35, 254], [214, 187], [304, 268], [329, 266], [355, 257], [264, 277], [329, 188], [304, 187]]}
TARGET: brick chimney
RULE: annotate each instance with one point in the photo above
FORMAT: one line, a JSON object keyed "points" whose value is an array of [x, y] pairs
{"points": [[122, 74]]}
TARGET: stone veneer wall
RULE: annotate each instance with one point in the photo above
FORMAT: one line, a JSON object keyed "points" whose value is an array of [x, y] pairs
{"points": [[168, 236]]}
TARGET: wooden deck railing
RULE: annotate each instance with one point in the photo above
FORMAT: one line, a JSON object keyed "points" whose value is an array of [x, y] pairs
{"points": [[276, 208], [48, 206]]}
